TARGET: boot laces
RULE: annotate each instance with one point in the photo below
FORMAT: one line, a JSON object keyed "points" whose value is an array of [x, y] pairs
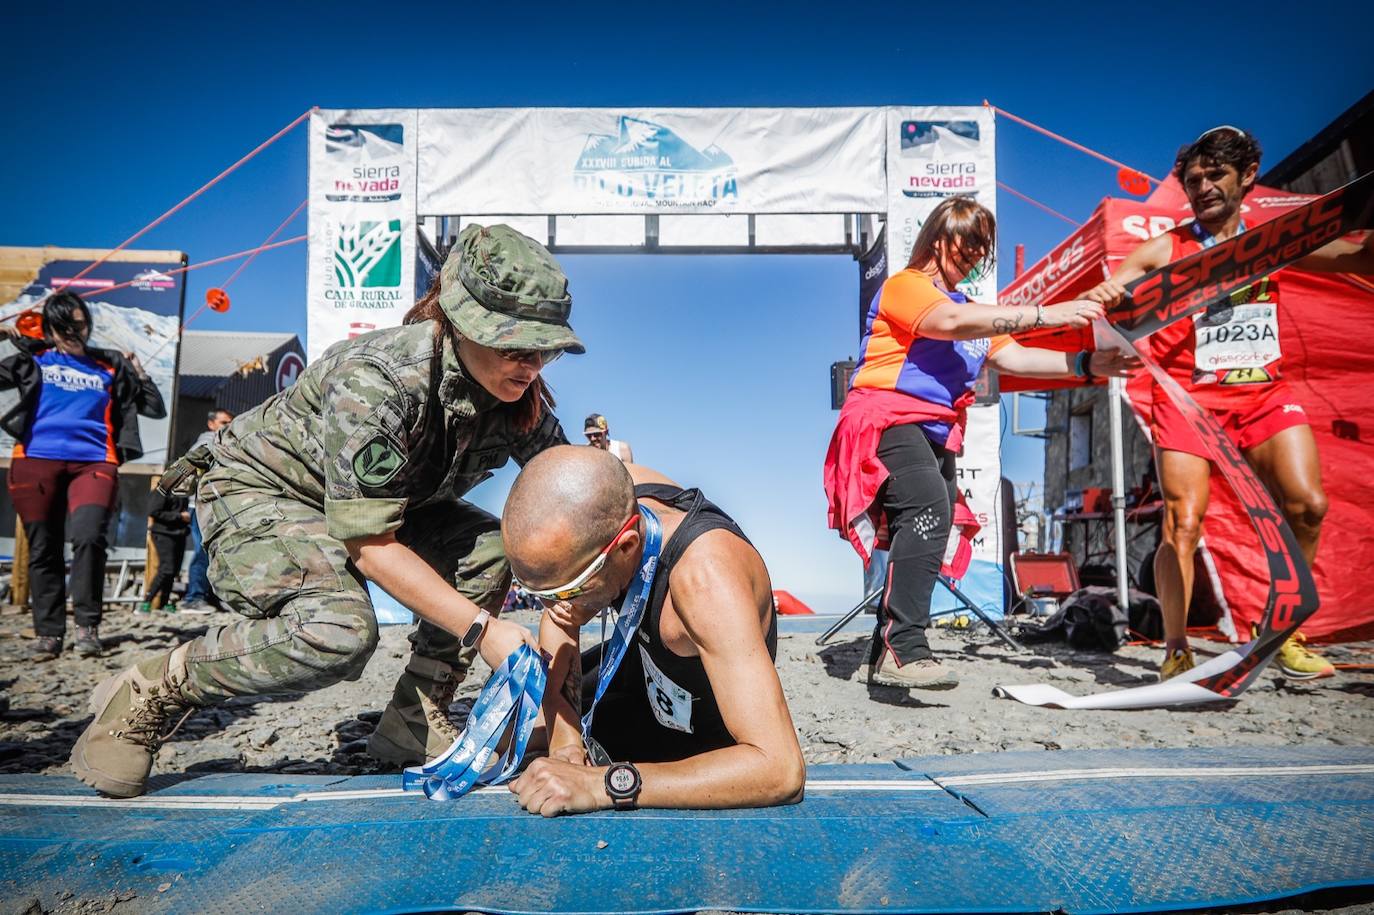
{"points": [[152, 708], [441, 697], [1297, 645]]}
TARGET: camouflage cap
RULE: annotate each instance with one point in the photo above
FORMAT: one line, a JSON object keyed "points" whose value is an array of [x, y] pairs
{"points": [[505, 290]]}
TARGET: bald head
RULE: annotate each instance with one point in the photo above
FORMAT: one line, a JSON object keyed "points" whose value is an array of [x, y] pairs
{"points": [[564, 508]]}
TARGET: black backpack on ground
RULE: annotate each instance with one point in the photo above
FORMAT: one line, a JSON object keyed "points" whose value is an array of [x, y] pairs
{"points": [[1091, 620]]}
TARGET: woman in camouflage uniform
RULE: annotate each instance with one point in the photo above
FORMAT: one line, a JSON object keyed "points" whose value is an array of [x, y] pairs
{"points": [[356, 472]]}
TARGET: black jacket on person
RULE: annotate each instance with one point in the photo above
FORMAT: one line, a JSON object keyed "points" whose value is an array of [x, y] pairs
{"points": [[132, 396], [165, 512]]}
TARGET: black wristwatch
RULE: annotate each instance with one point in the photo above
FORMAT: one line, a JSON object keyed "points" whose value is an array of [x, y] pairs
{"points": [[623, 784]]}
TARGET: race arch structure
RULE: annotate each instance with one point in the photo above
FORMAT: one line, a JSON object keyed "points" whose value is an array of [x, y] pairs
{"points": [[390, 189]]}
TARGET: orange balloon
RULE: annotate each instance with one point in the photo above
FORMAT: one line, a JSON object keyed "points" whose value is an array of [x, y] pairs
{"points": [[217, 300], [1133, 182], [30, 324]]}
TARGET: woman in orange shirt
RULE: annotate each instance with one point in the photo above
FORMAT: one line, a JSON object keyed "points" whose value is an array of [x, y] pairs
{"points": [[892, 457]]}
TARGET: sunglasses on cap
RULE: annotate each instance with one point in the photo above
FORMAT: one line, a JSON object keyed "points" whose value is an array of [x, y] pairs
{"points": [[542, 356], [1235, 130], [579, 584]]}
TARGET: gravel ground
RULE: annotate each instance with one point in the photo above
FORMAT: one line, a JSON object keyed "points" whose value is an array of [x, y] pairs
{"points": [[839, 718]]}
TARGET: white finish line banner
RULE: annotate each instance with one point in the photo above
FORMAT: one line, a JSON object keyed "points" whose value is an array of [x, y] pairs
{"points": [[707, 172], [645, 160], [361, 273]]}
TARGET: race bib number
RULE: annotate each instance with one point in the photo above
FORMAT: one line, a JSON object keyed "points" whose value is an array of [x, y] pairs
{"points": [[1238, 343], [671, 703]]}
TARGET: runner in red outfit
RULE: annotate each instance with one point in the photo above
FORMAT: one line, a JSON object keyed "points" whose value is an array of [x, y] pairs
{"points": [[1230, 362]]}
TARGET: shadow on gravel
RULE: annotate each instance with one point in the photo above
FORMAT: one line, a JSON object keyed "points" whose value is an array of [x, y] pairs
{"points": [[179, 634], [843, 660], [901, 697], [28, 714], [54, 745]]}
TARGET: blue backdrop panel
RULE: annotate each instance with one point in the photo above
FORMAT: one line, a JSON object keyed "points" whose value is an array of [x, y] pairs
{"points": [[1105, 831]]}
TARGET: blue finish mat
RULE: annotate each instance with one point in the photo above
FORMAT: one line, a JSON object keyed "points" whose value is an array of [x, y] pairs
{"points": [[1090, 831]]}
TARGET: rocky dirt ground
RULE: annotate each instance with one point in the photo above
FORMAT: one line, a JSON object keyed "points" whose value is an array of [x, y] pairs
{"points": [[839, 718]]}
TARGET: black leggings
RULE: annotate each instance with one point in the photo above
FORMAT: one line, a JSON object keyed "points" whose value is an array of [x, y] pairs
{"points": [[171, 550], [918, 499]]}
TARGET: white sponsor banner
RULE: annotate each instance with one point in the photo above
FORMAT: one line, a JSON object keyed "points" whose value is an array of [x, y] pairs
{"points": [[362, 223], [979, 476], [934, 153], [651, 160]]}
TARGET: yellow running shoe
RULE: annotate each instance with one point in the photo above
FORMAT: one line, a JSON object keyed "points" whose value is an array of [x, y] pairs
{"points": [[1297, 663], [1178, 662]]}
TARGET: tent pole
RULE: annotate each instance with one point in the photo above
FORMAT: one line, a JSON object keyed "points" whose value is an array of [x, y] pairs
{"points": [[1114, 393]]}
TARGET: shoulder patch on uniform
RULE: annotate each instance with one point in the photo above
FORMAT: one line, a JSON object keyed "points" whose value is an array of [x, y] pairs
{"points": [[377, 461]]}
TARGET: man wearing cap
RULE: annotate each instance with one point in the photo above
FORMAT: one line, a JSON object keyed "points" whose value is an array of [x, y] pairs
{"points": [[357, 472], [598, 433]]}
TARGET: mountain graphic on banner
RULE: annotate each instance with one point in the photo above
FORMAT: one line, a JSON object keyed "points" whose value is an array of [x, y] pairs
{"points": [[364, 144], [927, 138], [645, 146]]}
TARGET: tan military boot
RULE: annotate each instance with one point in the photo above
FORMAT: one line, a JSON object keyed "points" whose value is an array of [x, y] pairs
{"points": [[926, 673], [415, 728], [115, 753]]}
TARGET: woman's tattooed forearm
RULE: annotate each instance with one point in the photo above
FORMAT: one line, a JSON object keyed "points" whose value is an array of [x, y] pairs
{"points": [[1007, 325]]}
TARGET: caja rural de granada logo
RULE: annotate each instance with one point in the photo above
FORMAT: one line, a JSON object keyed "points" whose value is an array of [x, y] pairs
{"points": [[365, 260], [649, 165]]}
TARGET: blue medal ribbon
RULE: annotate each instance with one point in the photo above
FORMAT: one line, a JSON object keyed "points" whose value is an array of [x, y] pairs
{"points": [[1207, 239], [509, 701], [627, 620]]}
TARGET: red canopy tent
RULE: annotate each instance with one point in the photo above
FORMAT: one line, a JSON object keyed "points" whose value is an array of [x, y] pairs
{"points": [[1326, 360]]}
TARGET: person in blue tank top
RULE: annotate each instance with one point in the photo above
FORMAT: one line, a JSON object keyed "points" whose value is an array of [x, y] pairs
{"points": [[75, 422]]}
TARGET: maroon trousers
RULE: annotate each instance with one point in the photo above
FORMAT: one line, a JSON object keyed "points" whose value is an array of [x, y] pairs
{"points": [[59, 501]]}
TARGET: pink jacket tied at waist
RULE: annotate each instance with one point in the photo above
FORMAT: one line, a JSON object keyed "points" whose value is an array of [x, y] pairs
{"points": [[854, 475]]}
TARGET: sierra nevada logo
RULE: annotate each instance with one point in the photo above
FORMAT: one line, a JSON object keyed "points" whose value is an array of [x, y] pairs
{"points": [[947, 155], [363, 162], [648, 165], [368, 254]]}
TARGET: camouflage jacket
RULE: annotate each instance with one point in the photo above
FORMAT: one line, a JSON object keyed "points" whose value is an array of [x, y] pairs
{"points": [[362, 435]]}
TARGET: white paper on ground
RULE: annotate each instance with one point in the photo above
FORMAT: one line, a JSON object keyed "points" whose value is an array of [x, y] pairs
{"points": [[1180, 690]]}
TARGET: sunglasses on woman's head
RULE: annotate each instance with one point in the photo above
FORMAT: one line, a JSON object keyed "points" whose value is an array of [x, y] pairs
{"points": [[578, 585]]}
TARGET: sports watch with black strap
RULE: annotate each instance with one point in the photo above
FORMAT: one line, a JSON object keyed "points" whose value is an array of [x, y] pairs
{"points": [[622, 784]]}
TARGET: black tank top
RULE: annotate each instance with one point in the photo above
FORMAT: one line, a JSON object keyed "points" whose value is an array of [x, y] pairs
{"points": [[660, 706]]}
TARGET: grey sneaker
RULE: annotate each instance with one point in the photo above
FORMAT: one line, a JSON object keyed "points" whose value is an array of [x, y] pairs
{"points": [[926, 673], [88, 642], [195, 608], [45, 648]]}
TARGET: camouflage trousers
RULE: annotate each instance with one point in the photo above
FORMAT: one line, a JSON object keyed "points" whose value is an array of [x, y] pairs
{"points": [[310, 622]]}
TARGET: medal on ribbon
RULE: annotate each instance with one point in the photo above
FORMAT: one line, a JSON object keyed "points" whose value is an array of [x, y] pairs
{"points": [[509, 703]]}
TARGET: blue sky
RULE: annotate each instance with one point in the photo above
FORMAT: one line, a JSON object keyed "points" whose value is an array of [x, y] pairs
{"points": [[715, 368]]}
